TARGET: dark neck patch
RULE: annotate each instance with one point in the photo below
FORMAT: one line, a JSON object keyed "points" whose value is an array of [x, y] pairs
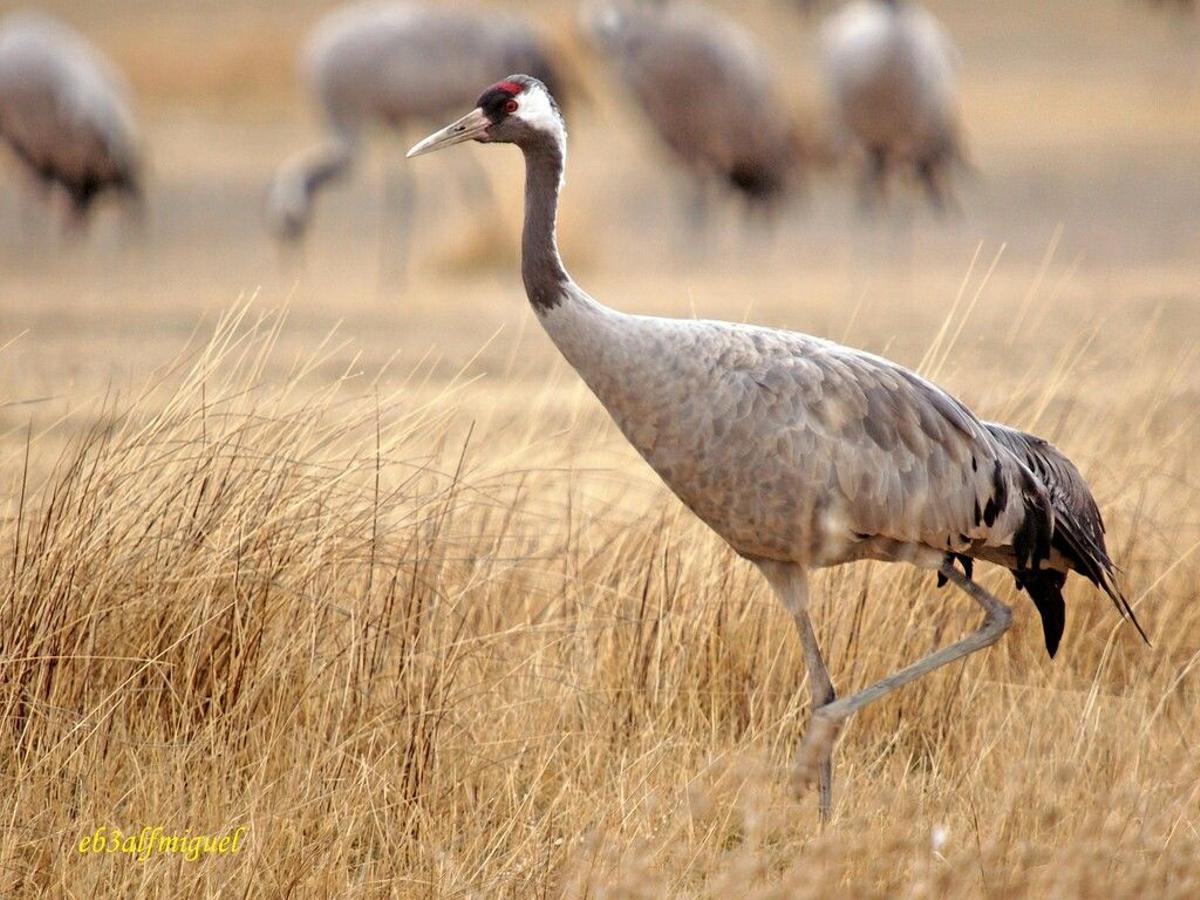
{"points": [[541, 268]]}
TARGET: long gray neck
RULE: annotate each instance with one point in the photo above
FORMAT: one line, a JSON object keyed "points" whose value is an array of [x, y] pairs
{"points": [[299, 179], [327, 163], [541, 267], [590, 336]]}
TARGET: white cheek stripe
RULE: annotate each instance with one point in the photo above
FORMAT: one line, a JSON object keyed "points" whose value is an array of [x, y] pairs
{"points": [[536, 111]]}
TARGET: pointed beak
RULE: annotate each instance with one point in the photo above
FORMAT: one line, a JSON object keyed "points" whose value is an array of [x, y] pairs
{"points": [[471, 127]]}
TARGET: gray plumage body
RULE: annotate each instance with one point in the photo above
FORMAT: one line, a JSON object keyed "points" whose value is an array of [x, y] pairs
{"points": [[65, 111], [705, 87], [393, 65], [796, 449], [891, 71], [800, 451]]}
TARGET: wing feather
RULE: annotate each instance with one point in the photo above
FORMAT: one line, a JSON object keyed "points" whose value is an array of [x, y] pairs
{"points": [[902, 450], [1079, 528]]}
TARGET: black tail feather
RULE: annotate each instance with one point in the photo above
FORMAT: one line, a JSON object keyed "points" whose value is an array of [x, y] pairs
{"points": [[1045, 588], [1075, 531], [1089, 557]]}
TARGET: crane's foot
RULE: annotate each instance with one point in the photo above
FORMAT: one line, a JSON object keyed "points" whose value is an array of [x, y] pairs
{"points": [[812, 763]]}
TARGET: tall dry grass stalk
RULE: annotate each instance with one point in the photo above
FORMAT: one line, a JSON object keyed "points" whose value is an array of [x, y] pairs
{"points": [[415, 660]]}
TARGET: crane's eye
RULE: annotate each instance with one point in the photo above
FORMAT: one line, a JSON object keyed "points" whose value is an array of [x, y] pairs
{"points": [[510, 106]]}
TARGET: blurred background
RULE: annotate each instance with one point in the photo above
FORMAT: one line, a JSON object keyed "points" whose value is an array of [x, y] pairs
{"points": [[1081, 120]]}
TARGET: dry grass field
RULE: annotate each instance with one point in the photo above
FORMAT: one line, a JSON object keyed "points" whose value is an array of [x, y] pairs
{"points": [[352, 560]]}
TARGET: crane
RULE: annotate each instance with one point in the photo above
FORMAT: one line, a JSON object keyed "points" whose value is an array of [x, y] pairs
{"points": [[65, 112], [705, 87], [891, 72], [799, 452], [393, 64]]}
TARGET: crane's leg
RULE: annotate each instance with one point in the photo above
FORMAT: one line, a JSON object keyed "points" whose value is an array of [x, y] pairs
{"points": [[822, 695], [873, 187], [827, 721], [929, 174], [933, 173], [33, 200], [790, 584], [134, 214], [761, 217]]}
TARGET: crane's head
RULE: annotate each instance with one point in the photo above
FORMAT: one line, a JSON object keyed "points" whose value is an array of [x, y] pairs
{"points": [[518, 110]]}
